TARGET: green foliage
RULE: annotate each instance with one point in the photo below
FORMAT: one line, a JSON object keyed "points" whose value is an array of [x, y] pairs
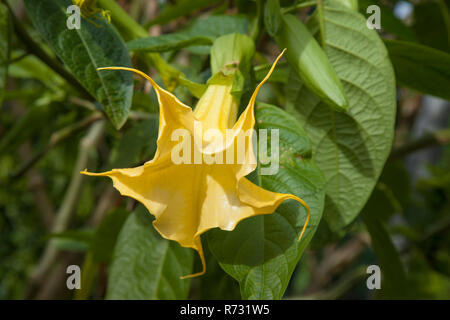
{"points": [[95, 47], [215, 26], [5, 36], [272, 239], [310, 63], [350, 148], [146, 266], [181, 8], [332, 97], [394, 280], [167, 42], [421, 68], [390, 22], [272, 17]]}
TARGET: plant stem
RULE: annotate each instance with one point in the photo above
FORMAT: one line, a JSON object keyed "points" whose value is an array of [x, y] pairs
{"points": [[56, 138], [440, 137], [69, 202], [297, 6], [321, 24]]}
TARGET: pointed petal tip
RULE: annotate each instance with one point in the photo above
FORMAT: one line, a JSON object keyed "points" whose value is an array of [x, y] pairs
{"points": [[94, 174], [202, 258], [190, 276]]}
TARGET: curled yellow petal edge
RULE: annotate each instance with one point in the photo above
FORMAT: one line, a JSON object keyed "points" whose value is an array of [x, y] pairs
{"points": [[244, 188]]}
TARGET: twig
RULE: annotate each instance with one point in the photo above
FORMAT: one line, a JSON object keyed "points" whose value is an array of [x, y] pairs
{"points": [[297, 6], [55, 139], [106, 202], [64, 214], [133, 115], [343, 286], [36, 50], [440, 137]]}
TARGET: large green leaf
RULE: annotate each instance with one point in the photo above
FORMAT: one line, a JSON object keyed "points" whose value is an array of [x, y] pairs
{"points": [[4, 47], [310, 62], [84, 50], [350, 148], [431, 23], [420, 67], [167, 42], [389, 22], [216, 26], [262, 252], [146, 266], [393, 285], [181, 8], [136, 145]]}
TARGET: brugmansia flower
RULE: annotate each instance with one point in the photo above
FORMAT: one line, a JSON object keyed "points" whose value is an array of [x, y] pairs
{"points": [[187, 199]]}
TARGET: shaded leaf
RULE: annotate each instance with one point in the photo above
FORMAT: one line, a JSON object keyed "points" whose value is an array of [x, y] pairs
{"points": [[5, 32], [421, 68], [350, 148], [430, 24], [146, 266], [181, 8], [216, 26], [262, 252], [167, 42], [389, 22], [86, 49], [104, 238], [393, 285], [272, 17], [137, 144]]}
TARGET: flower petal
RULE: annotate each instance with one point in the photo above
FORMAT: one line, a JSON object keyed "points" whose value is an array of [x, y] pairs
{"points": [[173, 114]]}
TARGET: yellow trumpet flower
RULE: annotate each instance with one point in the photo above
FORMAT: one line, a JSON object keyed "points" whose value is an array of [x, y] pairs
{"points": [[187, 199]]}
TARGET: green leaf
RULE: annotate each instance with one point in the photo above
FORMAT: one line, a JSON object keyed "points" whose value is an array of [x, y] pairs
{"points": [[83, 236], [25, 128], [137, 144], [431, 23], [350, 148], [272, 17], [146, 266], [280, 74], [216, 284], [104, 238], [389, 22], [86, 49], [421, 68], [181, 8], [262, 252], [5, 33], [393, 285], [351, 4], [310, 63], [216, 26], [167, 42]]}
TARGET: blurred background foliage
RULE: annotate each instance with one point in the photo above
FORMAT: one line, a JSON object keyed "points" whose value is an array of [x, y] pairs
{"points": [[49, 131]]}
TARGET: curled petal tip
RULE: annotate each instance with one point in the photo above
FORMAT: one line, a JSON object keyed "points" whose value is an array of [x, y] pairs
{"points": [[193, 275]]}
